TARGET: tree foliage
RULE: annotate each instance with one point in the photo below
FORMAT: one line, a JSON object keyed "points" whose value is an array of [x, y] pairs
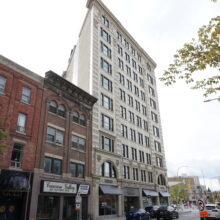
{"points": [[178, 193], [196, 56], [3, 136]]}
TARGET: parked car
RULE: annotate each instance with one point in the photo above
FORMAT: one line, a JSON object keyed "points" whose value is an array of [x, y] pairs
{"points": [[213, 211], [167, 212], [152, 210], [137, 214]]}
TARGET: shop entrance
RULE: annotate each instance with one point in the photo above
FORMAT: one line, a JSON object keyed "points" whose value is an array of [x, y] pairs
{"points": [[131, 203]]}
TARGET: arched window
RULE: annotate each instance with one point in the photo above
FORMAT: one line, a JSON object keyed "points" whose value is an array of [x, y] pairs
{"points": [[161, 180], [53, 107], [75, 117], [82, 120], [61, 111], [108, 170]]}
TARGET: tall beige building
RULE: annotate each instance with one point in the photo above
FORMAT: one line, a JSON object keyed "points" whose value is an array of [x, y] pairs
{"points": [[129, 168]]}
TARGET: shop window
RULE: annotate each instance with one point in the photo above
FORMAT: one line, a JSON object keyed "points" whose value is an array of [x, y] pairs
{"points": [[48, 207], [16, 155], [108, 204], [161, 180], [61, 111], [82, 120], [26, 94], [77, 170], [2, 84], [108, 170], [78, 142], [53, 107], [52, 165], [75, 117], [21, 122], [55, 135]]}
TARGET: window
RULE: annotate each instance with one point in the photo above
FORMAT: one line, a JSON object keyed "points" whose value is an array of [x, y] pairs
{"points": [[157, 146], [144, 110], [159, 161], [120, 51], [127, 57], [134, 153], [124, 131], [132, 135], [139, 121], [26, 94], [154, 117], [55, 135], [106, 66], [135, 77], [139, 57], [105, 50], [120, 64], [142, 95], [141, 82], [156, 131], [150, 79], [121, 78], [82, 120], [161, 180], [105, 21], [145, 125], [128, 70], [119, 36], [16, 156], [61, 111], [130, 101], [21, 122], [107, 144], [107, 123], [75, 117], [143, 176], [108, 170], [107, 102], [151, 91], [125, 151], [78, 142], [105, 36], [136, 91], [106, 83], [150, 177], [122, 95], [131, 117], [140, 70], [52, 165], [2, 84], [140, 138], [53, 107], [153, 104], [123, 112], [108, 204], [138, 107], [148, 67], [134, 64], [77, 170], [129, 85], [147, 141], [135, 174], [148, 158], [141, 156], [126, 172], [133, 51]]}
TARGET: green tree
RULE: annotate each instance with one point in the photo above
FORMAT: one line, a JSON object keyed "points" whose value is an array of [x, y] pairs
{"points": [[196, 56], [3, 136], [178, 193]]}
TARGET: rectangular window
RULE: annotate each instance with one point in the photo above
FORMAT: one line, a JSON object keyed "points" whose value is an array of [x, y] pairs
{"points": [[132, 135], [143, 176], [134, 64], [134, 153], [130, 101], [141, 82], [135, 76], [122, 95], [131, 117], [125, 151], [106, 83], [136, 91], [105, 21], [156, 131], [140, 70], [127, 57], [142, 95], [55, 135], [147, 141], [107, 102], [150, 177], [121, 78], [77, 170], [139, 121], [157, 146], [123, 112], [120, 51], [129, 85], [21, 122], [139, 57], [141, 156], [138, 107], [119, 36], [133, 51], [105, 50], [52, 165], [124, 131], [107, 144], [126, 172], [120, 64], [78, 142], [150, 79], [106, 66], [154, 117], [148, 158], [153, 104], [145, 125], [2, 84], [151, 91], [159, 161], [135, 174], [128, 70], [140, 138], [26, 94], [144, 110], [106, 36], [107, 123], [16, 156]]}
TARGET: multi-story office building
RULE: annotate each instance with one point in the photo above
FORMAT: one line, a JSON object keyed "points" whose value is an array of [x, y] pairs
{"points": [[129, 168]]}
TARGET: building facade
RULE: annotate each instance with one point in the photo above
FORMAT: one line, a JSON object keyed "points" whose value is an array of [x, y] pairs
{"points": [[63, 158], [129, 167], [20, 104]]}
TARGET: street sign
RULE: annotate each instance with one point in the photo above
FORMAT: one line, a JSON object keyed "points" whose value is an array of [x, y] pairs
{"points": [[204, 214], [83, 189], [201, 205], [78, 199], [77, 207]]}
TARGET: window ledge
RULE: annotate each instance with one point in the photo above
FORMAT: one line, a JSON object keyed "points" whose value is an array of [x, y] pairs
{"points": [[26, 103], [53, 144], [20, 132], [76, 149]]}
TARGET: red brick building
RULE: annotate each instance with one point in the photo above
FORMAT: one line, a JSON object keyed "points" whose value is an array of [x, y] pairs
{"points": [[20, 104]]}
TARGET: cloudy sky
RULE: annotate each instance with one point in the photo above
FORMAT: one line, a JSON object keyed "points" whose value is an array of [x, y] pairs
{"points": [[39, 35]]}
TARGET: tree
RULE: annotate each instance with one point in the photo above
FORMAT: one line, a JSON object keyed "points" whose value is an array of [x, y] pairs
{"points": [[197, 56], [3, 136], [178, 193]]}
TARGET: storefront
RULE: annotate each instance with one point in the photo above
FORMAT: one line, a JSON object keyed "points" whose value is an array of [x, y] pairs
{"points": [[57, 201], [149, 197], [14, 195], [108, 200], [164, 196], [131, 198]]}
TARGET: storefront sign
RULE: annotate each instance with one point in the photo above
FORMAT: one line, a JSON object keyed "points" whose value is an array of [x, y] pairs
{"points": [[131, 192], [83, 189], [57, 187]]}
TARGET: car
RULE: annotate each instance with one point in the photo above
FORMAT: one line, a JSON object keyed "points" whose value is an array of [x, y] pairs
{"points": [[137, 214], [167, 212], [152, 210], [213, 211]]}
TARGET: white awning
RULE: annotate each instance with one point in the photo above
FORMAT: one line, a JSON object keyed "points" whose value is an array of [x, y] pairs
{"points": [[164, 194]]}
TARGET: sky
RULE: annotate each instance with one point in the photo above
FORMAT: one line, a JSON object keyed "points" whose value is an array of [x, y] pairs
{"points": [[39, 35]]}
